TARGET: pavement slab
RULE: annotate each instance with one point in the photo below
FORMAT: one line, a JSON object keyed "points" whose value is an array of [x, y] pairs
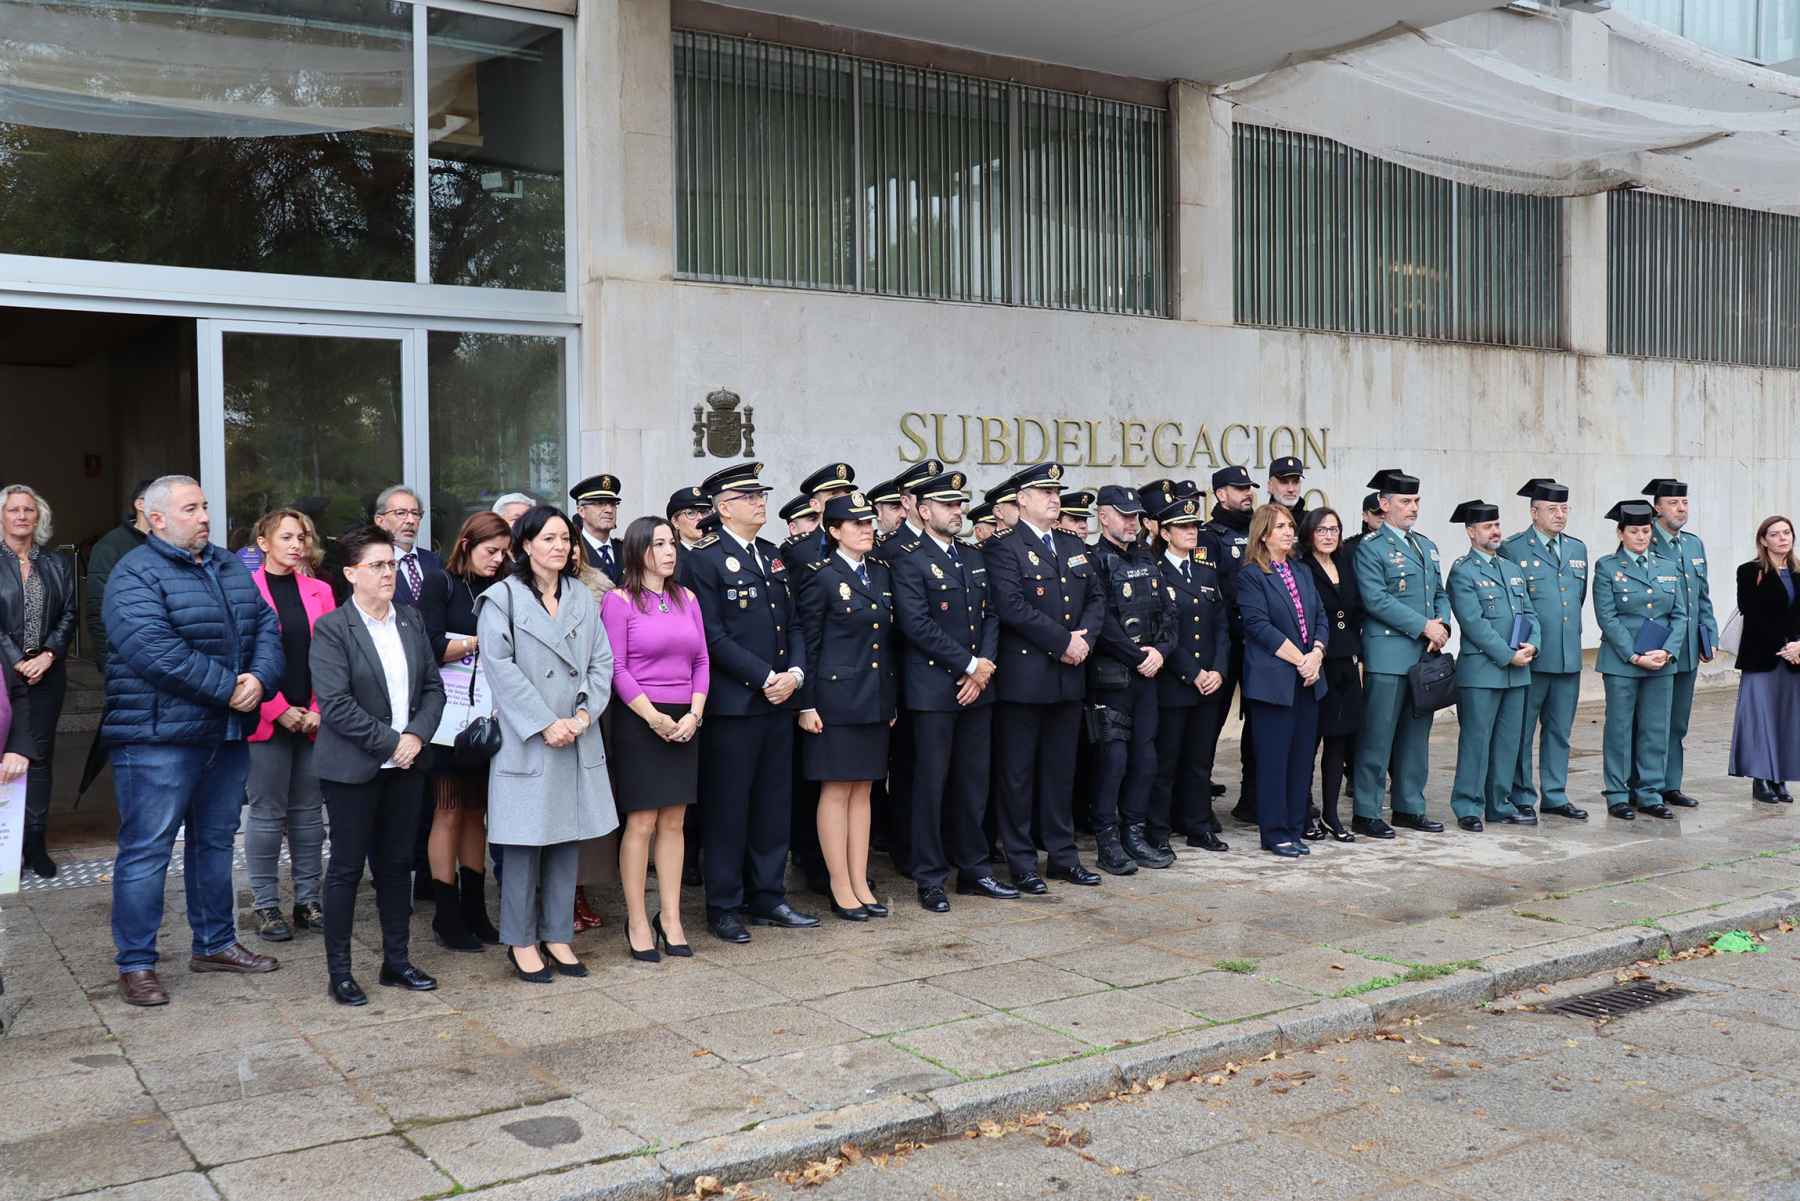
{"points": [[386, 1167], [516, 1143]]}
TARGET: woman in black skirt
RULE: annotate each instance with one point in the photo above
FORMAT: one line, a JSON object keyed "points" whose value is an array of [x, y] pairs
{"points": [[846, 614], [661, 673], [1340, 714]]}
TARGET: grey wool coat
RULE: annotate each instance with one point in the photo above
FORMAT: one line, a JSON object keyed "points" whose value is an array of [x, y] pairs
{"points": [[541, 668]]}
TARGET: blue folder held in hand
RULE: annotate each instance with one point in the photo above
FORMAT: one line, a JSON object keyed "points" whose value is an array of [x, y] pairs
{"points": [[1521, 631], [1651, 636]]}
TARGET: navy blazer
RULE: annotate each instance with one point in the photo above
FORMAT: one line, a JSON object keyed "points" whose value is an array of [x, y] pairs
{"points": [[429, 565], [749, 619], [946, 619], [1269, 620], [851, 676]]}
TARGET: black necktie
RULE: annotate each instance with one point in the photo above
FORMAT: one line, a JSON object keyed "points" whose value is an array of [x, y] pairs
{"points": [[1050, 543], [1187, 570], [862, 575], [604, 554]]}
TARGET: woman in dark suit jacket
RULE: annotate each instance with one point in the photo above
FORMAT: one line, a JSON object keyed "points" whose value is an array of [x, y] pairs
{"points": [[848, 699], [1765, 735], [1285, 637], [1321, 537], [371, 756]]}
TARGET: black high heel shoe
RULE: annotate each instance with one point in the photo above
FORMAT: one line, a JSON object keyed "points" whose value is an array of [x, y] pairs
{"points": [[1315, 831], [858, 914], [1338, 833], [541, 976], [576, 969], [680, 950], [650, 956], [875, 909]]}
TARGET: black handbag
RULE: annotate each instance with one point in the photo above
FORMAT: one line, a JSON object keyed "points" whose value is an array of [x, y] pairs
{"points": [[1431, 684], [478, 741]]}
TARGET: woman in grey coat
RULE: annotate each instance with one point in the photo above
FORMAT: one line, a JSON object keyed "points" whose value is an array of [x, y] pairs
{"points": [[550, 667]]}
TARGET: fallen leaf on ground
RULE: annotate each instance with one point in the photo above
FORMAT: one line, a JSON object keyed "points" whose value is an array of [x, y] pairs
{"points": [[1359, 1148]]}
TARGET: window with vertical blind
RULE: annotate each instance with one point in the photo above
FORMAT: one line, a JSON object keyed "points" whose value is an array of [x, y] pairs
{"points": [[1689, 280], [1330, 238], [807, 169]]}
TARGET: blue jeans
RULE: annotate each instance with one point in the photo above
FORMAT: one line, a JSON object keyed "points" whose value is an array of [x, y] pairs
{"points": [[160, 788]]}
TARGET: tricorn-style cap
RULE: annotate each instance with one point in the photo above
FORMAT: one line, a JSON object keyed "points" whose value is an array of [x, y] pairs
{"points": [[1631, 512], [1286, 467], [1660, 487], [600, 487], [739, 477], [1125, 500], [945, 487], [686, 498], [982, 514], [798, 507], [887, 492], [1232, 477], [851, 506], [1038, 475], [1544, 488], [1079, 503], [832, 476], [1372, 503], [1474, 512], [1183, 510], [1395, 482]]}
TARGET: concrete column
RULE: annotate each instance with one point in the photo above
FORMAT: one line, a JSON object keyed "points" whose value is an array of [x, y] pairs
{"points": [[1202, 270], [1584, 217]]}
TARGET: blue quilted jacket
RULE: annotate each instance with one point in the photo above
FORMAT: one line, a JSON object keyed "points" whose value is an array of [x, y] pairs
{"points": [[179, 633]]}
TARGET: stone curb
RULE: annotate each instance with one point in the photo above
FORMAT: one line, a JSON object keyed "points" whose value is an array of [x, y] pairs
{"points": [[952, 1109]]}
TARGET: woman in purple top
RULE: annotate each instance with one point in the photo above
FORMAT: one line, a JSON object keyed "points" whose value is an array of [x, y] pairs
{"points": [[660, 673]]}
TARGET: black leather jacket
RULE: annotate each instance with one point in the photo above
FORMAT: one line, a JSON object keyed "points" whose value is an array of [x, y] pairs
{"points": [[59, 604]]}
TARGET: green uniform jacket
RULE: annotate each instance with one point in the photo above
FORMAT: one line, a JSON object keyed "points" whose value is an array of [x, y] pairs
{"points": [[1624, 596], [1557, 593], [1402, 589], [1485, 597], [1687, 551]]}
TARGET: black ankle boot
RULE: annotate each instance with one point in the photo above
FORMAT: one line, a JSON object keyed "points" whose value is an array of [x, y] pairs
{"points": [[474, 906], [36, 857], [447, 924], [1111, 856]]}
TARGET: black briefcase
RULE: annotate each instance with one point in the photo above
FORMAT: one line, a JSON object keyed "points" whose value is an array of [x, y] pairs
{"points": [[1431, 684]]}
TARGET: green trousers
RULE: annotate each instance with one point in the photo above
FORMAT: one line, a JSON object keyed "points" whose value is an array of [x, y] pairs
{"points": [[1490, 724], [1681, 707], [1636, 741], [1550, 712], [1391, 743]]}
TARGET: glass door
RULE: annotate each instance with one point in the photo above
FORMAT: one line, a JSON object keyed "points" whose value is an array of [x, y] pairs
{"points": [[315, 417]]}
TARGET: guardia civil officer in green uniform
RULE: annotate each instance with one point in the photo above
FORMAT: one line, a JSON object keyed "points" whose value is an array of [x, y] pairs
{"points": [[1406, 613], [1633, 588], [1555, 567], [1493, 673], [1670, 541]]}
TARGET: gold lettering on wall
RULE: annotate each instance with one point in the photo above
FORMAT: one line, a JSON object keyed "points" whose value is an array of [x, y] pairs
{"points": [[1105, 442]]}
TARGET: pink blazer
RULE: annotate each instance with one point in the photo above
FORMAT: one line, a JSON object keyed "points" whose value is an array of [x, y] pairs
{"points": [[316, 598]]}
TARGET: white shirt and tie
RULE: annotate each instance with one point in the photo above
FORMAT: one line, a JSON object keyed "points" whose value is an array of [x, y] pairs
{"points": [[385, 634], [411, 571]]}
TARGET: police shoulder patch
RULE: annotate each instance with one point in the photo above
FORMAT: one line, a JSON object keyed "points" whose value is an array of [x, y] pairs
{"points": [[1002, 535], [705, 542]]}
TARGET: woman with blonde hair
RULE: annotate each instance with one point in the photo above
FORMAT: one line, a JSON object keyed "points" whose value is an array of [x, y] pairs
{"points": [[1765, 734], [37, 620]]}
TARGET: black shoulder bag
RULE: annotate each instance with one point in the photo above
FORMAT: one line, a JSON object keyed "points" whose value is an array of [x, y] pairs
{"points": [[1431, 684], [478, 741]]}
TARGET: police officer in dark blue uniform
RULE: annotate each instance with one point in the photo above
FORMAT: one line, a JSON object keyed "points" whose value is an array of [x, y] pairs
{"points": [[1191, 684], [949, 655], [1048, 596], [1234, 499], [833, 479], [1133, 647], [801, 520], [597, 504], [747, 755]]}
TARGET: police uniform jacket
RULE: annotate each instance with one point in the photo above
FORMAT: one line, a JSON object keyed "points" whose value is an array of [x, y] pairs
{"points": [[1138, 614], [1398, 577], [1625, 596], [749, 619], [1199, 637], [901, 542], [1686, 552], [1485, 596], [1233, 546], [1556, 585], [947, 619], [849, 632], [1041, 599]]}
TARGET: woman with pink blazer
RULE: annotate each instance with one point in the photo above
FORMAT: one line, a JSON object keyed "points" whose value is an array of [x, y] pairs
{"points": [[283, 787]]}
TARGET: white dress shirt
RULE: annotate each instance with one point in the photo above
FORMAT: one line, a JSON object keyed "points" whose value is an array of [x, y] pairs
{"points": [[385, 633], [974, 661]]}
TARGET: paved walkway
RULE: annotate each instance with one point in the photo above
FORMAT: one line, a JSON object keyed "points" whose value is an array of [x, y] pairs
{"points": [[640, 1075]]}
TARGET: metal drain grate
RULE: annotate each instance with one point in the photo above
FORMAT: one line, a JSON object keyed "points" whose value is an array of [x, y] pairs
{"points": [[1617, 1002]]}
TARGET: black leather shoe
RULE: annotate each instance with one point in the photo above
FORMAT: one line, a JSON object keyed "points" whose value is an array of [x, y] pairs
{"points": [[1471, 824], [1781, 791], [1679, 799], [1030, 883], [1139, 848], [347, 992], [785, 916], [875, 908], [1525, 811], [1304, 849], [1568, 811], [727, 926], [1511, 819], [1662, 811], [1074, 874], [988, 887], [1622, 812], [854, 914], [1315, 831], [1523, 817], [1286, 850], [409, 977], [1760, 790], [1419, 822], [1338, 833], [1371, 827], [933, 900], [1206, 840], [1110, 856]]}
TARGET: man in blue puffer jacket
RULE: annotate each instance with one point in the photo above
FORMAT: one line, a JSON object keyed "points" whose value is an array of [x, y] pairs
{"points": [[193, 650]]}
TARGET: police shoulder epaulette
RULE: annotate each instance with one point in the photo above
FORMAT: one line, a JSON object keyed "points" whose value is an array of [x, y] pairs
{"points": [[910, 546], [706, 542], [1002, 534], [815, 564]]}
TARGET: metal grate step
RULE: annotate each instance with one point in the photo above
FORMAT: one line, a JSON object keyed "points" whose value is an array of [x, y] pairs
{"points": [[1616, 1002]]}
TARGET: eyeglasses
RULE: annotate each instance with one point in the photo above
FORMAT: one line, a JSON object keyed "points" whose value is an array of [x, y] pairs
{"points": [[403, 512], [381, 566]]}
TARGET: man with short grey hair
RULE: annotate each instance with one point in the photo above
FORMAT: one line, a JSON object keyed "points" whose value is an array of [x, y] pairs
{"points": [[399, 511], [514, 505]]}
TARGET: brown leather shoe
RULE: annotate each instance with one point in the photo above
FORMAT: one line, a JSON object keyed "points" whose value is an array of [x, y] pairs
{"points": [[142, 988], [235, 958]]}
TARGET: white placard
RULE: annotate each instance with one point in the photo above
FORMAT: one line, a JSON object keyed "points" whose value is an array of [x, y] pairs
{"points": [[459, 710], [12, 833]]}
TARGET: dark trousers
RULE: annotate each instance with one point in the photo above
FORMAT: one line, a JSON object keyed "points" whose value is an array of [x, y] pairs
{"points": [[1337, 762], [374, 822], [899, 799], [1036, 764], [1185, 741], [1284, 736], [1125, 771], [949, 793], [45, 704], [1247, 749], [746, 786]]}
